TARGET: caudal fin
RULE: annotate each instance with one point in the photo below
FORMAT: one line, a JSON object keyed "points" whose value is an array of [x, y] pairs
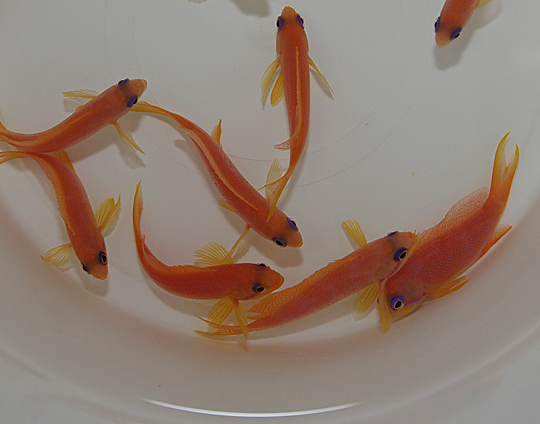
{"points": [[503, 171]]}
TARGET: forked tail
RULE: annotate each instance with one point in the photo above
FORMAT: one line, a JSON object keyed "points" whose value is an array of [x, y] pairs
{"points": [[503, 171]]}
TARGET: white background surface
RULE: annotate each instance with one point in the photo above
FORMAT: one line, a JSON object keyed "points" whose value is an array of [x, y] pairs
{"points": [[410, 130]]}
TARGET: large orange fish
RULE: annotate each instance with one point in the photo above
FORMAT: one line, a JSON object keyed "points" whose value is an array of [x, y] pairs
{"points": [[105, 108], [220, 279], [367, 266], [293, 81], [455, 14], [238, 194], [84, 227], [445, 251]]}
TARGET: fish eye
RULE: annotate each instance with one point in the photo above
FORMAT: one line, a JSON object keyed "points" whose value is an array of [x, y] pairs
{"points": [[85, 268], [122, 82], [400, 254], [279, 242], [102, 258], [132, 101], [292, 223], [391, 234], [258, 288], [456, 33], [397, 303], [300, 20], [263, 265], [279, 22], [437, 24]]}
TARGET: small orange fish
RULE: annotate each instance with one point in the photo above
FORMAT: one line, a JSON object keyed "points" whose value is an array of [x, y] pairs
{"points": [[238, 194], [84, 227], [220, 279], [367, 266], [455, 14], [105, 108], [293, 81], [445, 251]]}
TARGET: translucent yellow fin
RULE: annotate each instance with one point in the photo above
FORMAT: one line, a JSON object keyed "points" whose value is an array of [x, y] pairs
{"points": [[221, 310], [240, 244], [268, 76], [319, 73], [274, 173], [242, 318], [447, 288], [366, 298], [212, 254], [499, 232], [106, 213], [59, 256], [384, 313], [482, 3], [277, 91], [126, 137], [353, 229], [83, 93], [62, 155], [223, 203], [216, 133]]}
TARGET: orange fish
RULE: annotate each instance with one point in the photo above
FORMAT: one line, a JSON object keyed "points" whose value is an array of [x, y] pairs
{"points": [[84, 227], [105, 108], [220, 279], [293, 81], [445, 251], [367, 266], [455, 14], [239, 196]]}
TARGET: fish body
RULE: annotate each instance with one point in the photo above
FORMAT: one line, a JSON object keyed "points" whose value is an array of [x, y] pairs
{"points": [[455, 14], [294, 82], [227, 281], [104, 109], [367, 265], [445, 251], [83, 226], [238, 194]]}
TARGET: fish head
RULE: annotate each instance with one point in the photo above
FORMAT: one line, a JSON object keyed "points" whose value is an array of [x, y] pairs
{"points": [[95, 264], [285, 231], [289, 24], [444, 34], [130, 90], [262, 280], [452, 20]]}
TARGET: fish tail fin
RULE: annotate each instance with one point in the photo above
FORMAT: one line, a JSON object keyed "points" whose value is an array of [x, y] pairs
{"points": [[503, 171], [7, 156], [106, 213]]}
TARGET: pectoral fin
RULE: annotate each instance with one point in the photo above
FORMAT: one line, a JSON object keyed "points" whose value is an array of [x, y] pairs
{"points": [[482, 3], [126, 137], [319, 73], [384, 313], [59, 256], [268, 76], [220, 311], [106, 213], [213, 254], [277, 91], [447, 288], [83, 93], [353, 229], [366, 298]]}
